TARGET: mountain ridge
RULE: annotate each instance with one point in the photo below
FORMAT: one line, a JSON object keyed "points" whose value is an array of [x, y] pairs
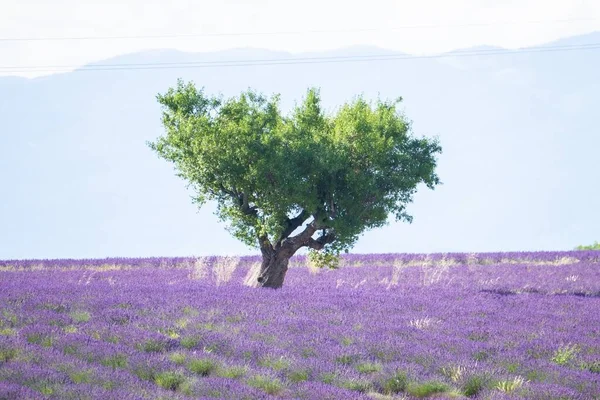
{"points": [[517, 133]]}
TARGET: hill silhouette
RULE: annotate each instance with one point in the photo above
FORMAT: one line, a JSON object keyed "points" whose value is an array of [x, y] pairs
{"points": [[519, 134]]}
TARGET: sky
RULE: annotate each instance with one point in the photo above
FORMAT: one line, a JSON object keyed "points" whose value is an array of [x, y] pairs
{"points": [[415, 27], [38, 33]]}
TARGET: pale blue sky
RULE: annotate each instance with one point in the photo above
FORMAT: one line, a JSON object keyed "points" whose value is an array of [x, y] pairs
{"points": [[519, 134], [424, 26]]}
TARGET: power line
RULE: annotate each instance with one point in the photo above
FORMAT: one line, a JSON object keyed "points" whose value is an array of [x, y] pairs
{"points": [[283, 33], [298, 60]]}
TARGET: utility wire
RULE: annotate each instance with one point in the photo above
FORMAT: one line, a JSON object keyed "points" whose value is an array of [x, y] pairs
{"points": [[282, 33], [298, 60]]}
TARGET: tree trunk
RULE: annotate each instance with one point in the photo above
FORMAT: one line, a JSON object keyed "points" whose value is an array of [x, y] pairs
{"points": [[273, 269]]}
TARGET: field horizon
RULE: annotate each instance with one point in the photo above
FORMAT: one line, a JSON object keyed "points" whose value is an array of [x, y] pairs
{"points": [[520, 325]]}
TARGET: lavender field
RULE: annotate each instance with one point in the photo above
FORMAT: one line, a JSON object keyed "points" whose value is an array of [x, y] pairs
{"points": [[485, 326]]}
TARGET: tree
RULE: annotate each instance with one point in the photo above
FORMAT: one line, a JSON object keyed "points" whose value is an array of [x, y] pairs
{"points": [[304, 180], [595, 246]]}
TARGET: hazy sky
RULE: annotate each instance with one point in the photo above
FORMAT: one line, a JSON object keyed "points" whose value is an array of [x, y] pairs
{"points": [[424, 26]]}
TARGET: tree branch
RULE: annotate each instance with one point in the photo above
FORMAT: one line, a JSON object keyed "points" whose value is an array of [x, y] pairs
{"points": [[242, 200], [293, 224], [319, 243], [301, 239]]}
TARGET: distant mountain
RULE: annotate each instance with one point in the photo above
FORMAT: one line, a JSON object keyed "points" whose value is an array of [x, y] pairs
{"points": [[519, 132]]}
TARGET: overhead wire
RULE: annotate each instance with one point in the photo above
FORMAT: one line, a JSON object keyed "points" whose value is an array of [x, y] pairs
{"points": [[295, 60]]}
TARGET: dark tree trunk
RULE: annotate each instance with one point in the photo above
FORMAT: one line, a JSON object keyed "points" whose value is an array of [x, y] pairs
{"points": [[275, 259], [273, 269]]}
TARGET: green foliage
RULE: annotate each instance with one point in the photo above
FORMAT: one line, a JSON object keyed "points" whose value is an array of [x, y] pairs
{"points": [[80, 316], [152, 346], [145, 372], [426, 389], [564, 354], [266, 384], [115, 361], [189, 342], [178, 358], [202, 367], [334, 175], [510, 385], [345, 359], [276, 364], [475, 384], [233, 372], [368, 368], [592, 367], [7, 353], [80, 377], [169, 380], [595, 246], [358, 385], [298, 375], [327, 258], [395, 384], [7, 332], [328, 377], [481, 355]]}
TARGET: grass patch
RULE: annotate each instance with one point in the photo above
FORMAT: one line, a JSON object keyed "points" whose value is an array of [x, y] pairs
{"points": [[298, 375], [474, 385], [512, 368], [7, 354], [80, 316], [116, 361], [276, 364], [536, 376], [511, 385], [454, 373], [189, 342], [307, 352], [592, 367], [358, 385], [146, 372], [345, 359], [202, 367], [59, 308], [395, 384], [178, 358], [8, 332], [152, 346], [266, 384], [347, 341], [233, 372], [481, 355], [80, 377], [70, 349], [169, 380], [368, 368], [235, 318], [37, 338], [328, 378], [426, 389], [171, 332], [564, 354]]}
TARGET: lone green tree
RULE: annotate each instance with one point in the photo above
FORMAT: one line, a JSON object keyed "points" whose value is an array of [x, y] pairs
{"points": [[594, 246], [307, 179]]}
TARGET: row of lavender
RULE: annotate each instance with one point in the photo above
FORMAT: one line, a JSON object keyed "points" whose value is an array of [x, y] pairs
{"points": [[422, 326], [586, 256]]}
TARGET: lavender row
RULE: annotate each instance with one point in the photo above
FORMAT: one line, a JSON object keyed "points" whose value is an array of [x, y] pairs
{"points": [[560, 257], [397, 329]]}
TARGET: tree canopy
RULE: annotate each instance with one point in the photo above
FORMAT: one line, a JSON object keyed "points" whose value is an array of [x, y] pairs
{"points": [[594, 246], [329, 176]]}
